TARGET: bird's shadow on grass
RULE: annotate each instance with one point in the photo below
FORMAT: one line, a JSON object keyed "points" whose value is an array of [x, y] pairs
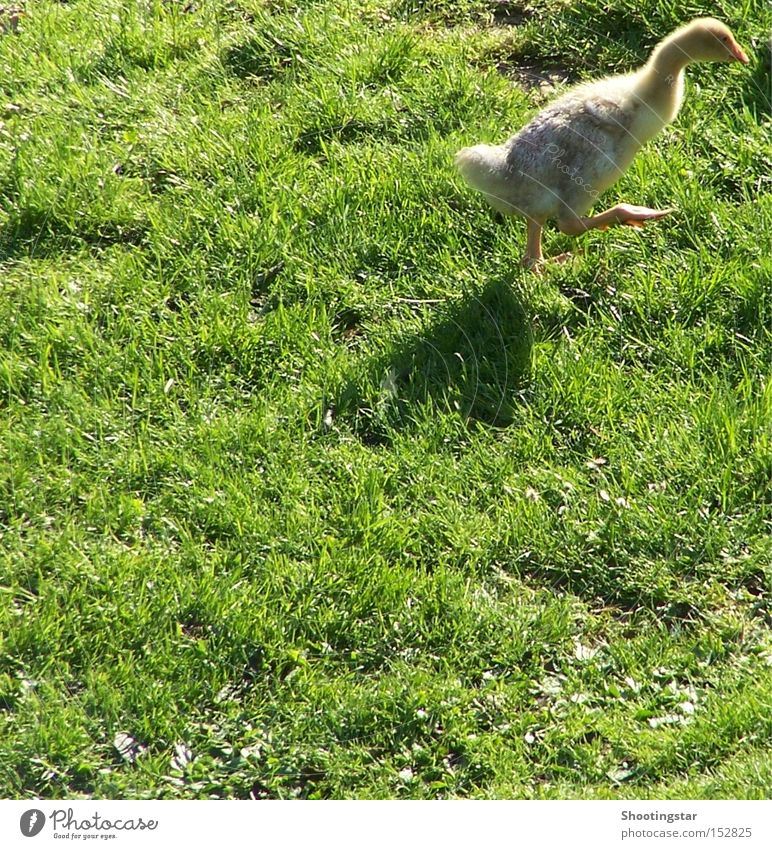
{"points": [[470, 359]]}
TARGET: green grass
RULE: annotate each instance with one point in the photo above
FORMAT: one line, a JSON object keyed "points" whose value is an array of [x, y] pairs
{"points": [[307, 488]]}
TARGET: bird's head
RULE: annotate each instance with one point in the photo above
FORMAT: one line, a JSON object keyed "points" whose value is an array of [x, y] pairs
{"points": [[709, 40]]}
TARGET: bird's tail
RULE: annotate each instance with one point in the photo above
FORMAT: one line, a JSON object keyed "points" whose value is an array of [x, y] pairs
{"points": [[483, 167]]}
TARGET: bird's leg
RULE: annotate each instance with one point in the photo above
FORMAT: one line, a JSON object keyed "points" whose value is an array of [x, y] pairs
{"points": [[533, 254], [622, 213]]}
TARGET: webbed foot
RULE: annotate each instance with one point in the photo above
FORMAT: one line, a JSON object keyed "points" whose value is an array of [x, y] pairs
{"points": [[637, 216]]}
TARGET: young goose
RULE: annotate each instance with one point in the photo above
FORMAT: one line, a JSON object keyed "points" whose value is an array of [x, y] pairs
{"points": [[580, 144]]}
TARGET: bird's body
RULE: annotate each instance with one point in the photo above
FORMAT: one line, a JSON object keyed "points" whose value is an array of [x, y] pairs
{"points": [[567, 155], [581, 143]]}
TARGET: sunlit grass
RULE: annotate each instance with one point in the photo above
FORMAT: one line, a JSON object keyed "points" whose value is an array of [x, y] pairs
{"points": [[308, 489]]}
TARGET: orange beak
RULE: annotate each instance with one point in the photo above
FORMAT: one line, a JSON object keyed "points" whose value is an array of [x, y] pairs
{"points": [[738, 53]]}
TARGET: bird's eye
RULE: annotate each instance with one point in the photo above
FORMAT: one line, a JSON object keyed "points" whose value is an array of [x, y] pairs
{"points": [[725, 39]]}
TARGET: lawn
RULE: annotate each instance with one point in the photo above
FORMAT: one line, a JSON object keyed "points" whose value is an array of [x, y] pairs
{"points": [[308, 489]]}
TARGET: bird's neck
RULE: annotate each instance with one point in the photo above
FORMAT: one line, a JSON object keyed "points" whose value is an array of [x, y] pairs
{"points": [[670, 57], [661, 80]]}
